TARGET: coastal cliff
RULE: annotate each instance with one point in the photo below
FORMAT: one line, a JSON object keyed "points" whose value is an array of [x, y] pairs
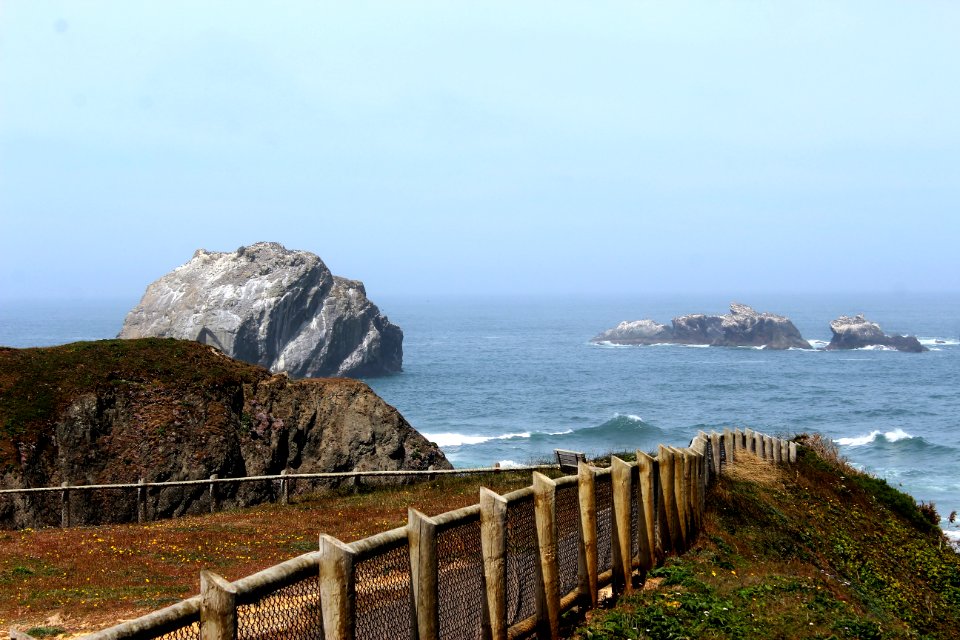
{"points": [[742, 327], [274, 307], [114, 411]]}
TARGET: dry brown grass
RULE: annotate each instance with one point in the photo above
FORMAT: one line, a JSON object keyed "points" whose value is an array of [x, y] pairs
{"points": [[87, 578], [749, 467]]}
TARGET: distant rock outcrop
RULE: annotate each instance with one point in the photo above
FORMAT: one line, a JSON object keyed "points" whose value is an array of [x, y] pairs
{"points": [[114, 411], [741, 327], [273, 307], [857, 332]]}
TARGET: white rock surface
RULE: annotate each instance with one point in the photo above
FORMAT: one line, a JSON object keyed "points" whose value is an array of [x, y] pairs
{"points": [[278, 308]]}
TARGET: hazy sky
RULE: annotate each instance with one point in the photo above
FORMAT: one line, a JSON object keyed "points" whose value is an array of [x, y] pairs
{"points": [[513, 147]]}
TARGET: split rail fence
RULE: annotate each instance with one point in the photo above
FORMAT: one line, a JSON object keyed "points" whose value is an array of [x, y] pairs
{"points": [[281, 487], [505, 568]]}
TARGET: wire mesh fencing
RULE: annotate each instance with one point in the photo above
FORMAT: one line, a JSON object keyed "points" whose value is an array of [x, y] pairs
{"points": [[385, 603], [383, 594], [460, 580], [522, 557], [568, 536], [604, 523], [292, 611]]}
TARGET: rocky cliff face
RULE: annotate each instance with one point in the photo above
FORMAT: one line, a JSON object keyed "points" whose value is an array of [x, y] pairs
{"points": [[857, 332], [115, 411], [741, 327], [274, 307]]}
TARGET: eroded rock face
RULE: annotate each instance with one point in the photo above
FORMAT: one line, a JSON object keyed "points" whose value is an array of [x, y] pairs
{"points": [[142, 413], [857, 332], [743, 326], [270, 306]]}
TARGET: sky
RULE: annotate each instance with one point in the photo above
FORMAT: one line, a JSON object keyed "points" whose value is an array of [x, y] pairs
{"points": [[484, 147]]}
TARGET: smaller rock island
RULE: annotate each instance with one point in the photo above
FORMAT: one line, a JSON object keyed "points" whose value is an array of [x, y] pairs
{"points": [[742, 327], [857, 333]]}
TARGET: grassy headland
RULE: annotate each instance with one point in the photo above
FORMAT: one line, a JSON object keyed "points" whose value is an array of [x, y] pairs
{"points": [[813, 550]]}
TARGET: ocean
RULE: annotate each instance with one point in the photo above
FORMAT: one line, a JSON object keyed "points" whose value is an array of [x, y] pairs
{"points": [[510, 379]]}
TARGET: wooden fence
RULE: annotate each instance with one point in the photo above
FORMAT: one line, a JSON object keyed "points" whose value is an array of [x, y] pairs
{"points": [[505, 568], [284, 482]]}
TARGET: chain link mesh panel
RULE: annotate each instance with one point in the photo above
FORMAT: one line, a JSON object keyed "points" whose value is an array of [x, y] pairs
{"points": [[522, 557], [634, 513], [290, 612], [657, 506], [460, 580], [189, 632], [604, 523], [383, 595], [568, 537]]}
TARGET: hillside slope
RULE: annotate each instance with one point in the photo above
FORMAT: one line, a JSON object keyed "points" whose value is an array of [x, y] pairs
{"points": [[162, 409], [818, 550]]}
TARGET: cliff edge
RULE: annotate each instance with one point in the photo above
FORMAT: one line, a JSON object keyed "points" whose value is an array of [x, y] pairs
{"points": [[115, 411]]}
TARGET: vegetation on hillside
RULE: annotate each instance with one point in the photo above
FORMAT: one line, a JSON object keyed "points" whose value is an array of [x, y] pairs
{"points": [[37, 384], [814, 550]]}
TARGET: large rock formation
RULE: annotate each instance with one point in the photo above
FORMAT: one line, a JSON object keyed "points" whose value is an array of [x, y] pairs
{"points": [[161, 409], [857, 332], [270, 306], [741, 327]]}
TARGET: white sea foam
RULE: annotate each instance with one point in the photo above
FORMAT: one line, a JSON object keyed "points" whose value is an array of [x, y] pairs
{"points": [[940, 342], [954, 537], [876, 347], [560, 433], [508, 464], [629, 416], [459, 439], [889, 436], [606, 344], [819, 344]]}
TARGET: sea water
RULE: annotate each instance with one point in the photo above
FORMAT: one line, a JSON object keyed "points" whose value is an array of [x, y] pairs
{"points": [[510, 379]]}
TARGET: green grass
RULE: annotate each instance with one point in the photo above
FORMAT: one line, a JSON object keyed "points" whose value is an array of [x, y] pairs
{"points": [[820, 551]]}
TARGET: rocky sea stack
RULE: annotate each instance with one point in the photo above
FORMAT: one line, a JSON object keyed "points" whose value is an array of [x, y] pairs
{"points": [[274, 307], [115, 411], [742, 327], [857, 333]]}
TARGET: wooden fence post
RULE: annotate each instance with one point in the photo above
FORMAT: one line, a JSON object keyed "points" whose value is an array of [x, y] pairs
{"points": [[214, 495], [284, 488], [337, 589], [218, 608], [679, 491], [717, 468], [141, 501], [728, 444], [689, 492], [784, 451], [493, 541], [698, 489], [748, 438], [422, 537], [668, 488], [548, 595], [646, 505], [587, 495], [758, 444], [65, 504], [621, 486], [793, 452]]}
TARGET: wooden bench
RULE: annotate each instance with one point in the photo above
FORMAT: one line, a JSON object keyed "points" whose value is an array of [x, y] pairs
{"points": [[569, 460]]}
